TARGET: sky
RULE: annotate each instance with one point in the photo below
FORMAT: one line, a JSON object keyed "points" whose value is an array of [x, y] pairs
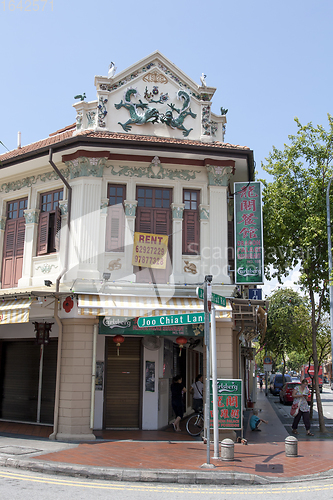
{"points": [[270, 61]]}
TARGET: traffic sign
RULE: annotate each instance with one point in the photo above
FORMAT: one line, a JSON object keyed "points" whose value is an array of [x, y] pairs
{"points": [[216, 299], [171, 319]]}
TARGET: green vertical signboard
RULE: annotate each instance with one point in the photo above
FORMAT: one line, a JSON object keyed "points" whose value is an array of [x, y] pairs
{"points": [[229, 404], [248, 233]]}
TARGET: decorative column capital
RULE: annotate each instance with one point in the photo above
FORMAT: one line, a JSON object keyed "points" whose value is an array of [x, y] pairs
{"points": [[31, 215], [2, 223], [204, 212], [130, 207], [86, 167], [104, 206], [177, 210], [219, 176], [63, 206]]}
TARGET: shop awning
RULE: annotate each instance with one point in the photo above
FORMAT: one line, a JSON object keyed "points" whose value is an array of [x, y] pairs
{"points": [[134, 306], [14, 311]]}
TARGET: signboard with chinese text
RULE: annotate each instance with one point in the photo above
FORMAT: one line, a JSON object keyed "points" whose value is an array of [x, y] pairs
{"points": [[229, 403], [248, 233], [150, 250]]}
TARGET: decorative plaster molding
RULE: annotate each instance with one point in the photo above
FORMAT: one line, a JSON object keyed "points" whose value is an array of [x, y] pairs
{"points": [[155, 172], [209, 127], [86, 167], [114, 265], [126, 80], [31, 215], [2, 223], [102, 112], [30, 181], [130, 208], [46, 268], [79, 118], [219, 176], [91, 119], [204, 212], [155, 77], [177, 210], [189, 267]]}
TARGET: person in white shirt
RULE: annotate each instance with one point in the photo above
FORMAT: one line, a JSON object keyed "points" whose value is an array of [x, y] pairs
{"points": [[197, 391]]}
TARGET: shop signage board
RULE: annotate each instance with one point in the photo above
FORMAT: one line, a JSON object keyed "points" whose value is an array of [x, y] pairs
{"points": [[216, 299], [229, 403], [121, 325], [249, 265], [150, 250], [170, 320]]}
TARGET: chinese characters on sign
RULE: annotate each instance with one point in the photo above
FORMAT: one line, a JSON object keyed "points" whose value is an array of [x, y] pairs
{"points": [[229, 403], [150, 250], [248, 233]]}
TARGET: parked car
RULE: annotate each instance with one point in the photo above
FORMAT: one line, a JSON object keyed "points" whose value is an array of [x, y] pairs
{"points": [[277, 383], [286, 393], [295, 379]]}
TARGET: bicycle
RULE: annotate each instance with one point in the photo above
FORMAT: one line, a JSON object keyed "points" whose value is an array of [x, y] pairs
{"points": [[195, 424]]}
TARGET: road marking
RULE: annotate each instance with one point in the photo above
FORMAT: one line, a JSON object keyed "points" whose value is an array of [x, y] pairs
{"points": [[186, 488]]}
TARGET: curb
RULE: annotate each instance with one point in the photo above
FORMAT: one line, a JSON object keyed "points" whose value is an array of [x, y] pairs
{"points": [[175, 476]]}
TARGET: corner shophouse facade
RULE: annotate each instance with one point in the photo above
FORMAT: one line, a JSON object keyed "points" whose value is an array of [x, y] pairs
{"points": [[147, 157]]}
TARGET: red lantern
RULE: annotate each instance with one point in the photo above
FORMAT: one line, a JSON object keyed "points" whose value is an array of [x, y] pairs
{"points": [[181, 341], [118, 340]]}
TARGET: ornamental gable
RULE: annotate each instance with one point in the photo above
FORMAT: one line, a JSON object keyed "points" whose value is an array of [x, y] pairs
{"points": [[153, 98]]}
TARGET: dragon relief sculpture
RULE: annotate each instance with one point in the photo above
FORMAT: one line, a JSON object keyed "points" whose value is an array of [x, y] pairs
{"points": [[152, 115], [172, 122], [149, 115]]}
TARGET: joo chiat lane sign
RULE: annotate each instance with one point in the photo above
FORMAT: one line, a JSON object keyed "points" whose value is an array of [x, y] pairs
{"points": [[171, 319]]}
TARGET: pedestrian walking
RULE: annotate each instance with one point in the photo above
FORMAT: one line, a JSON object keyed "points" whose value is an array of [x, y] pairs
{"points": [[300, 408], [177, 391], [197, 391]]}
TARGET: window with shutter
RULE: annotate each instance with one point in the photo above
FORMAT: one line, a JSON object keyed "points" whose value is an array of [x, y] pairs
{"points": [[153, 216], [49, 222], [191, 236], [115, 222], [13, 249]]}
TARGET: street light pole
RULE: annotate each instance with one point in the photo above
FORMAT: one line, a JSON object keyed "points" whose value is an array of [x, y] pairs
{"points": [[207, 307], [328, 210]]}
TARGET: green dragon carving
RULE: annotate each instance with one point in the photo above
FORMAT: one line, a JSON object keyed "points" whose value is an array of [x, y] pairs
{"points": [[149, 115], [172, 122]]}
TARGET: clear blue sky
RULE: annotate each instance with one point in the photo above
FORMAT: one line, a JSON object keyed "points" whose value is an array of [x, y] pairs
{"points": [[270, 61]]}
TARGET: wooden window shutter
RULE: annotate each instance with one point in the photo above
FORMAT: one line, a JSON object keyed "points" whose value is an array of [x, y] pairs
{"points": [[57, 228], [162, 222], [8, 254], [43, 233], [115, 229], [144, 221], [191, 233], [19, 251]]}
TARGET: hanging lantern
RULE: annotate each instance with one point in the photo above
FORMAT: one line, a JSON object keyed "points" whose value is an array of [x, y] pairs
{"points": [[118, 340], [42, 331], [181, 341]]}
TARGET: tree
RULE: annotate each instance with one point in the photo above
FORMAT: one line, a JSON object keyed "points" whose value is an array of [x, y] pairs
{"points": [[294, 212], [282, 336]]}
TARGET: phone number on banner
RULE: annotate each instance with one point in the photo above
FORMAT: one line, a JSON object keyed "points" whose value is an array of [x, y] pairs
{"points": [[150, 256]]}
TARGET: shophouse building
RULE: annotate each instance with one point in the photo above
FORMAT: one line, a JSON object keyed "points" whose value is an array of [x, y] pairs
{"points": [[119, 216]]}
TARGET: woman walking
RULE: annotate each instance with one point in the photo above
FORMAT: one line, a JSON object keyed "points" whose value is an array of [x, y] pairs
{"points": [[300, 396], [177, 391]]}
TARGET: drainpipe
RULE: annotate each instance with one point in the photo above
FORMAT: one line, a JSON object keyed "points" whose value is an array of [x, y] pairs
{"points": [[69, 188], [93, 378], [53, 436]]}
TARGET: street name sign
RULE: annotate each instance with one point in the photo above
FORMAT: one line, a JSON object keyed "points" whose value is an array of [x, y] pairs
{"points": [[216, 299], [171, 319]]}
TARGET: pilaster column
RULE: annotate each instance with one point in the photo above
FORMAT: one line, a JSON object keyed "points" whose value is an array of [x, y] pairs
{"points": [[204, 238], [102, 232], [177, 242], [130, 214], [30, 244], [218, 178]]}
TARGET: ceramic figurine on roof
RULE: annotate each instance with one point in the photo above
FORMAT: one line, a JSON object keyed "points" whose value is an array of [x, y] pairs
{"points": [[143, 100], [112, 70], [202, 80]]}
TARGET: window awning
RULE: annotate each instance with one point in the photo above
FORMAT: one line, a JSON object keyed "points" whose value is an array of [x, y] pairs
{"points": [[14, 311], [119, 305]]}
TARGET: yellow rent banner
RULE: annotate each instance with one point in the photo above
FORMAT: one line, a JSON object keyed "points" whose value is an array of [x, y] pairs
{"points": [[150, 250]]}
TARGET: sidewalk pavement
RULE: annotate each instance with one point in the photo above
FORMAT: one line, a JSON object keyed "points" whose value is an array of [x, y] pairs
{"points": [[175, 457]]}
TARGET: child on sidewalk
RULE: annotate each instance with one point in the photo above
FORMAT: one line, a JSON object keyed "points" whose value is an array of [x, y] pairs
{"points": [[255, 421]]}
